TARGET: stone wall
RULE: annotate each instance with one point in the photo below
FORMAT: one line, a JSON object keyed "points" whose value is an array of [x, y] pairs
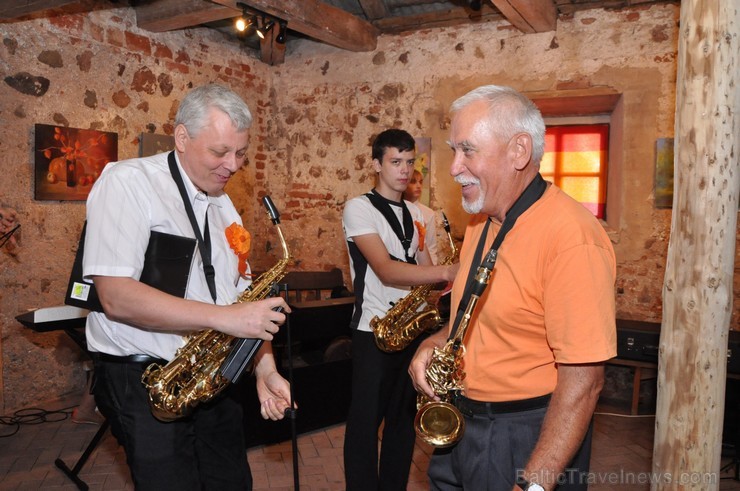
{"points": [[316, 115]]}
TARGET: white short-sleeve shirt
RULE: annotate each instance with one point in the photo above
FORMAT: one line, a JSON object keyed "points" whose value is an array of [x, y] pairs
{"points": [[373, 297], [130, 199]]}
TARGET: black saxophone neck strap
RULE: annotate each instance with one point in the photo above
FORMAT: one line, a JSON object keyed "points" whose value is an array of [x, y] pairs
{"points": [[204, 244], [405, 232], [531, 194]]}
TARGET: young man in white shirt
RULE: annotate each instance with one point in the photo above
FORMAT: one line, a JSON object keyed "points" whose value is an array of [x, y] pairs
{"points": [[385, 260]]}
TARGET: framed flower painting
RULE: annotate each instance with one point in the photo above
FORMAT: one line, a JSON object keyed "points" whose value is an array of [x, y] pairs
{"points": [[68, 161]]}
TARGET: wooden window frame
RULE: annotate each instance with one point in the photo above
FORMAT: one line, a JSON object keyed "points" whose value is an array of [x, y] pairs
{"points": [[585, 106]]}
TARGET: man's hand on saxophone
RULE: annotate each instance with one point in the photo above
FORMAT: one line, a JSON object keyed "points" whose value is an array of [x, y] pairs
{"points": [[422, 359], [260, 319]]}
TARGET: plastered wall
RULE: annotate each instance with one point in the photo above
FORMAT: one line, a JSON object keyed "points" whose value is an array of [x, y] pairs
{"points": [[316, 115]]}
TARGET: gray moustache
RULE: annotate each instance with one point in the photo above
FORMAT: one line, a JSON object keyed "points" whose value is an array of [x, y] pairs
{"points": [[464, 182]]}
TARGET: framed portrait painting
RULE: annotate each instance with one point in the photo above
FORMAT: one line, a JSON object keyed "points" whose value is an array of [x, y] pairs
{"points": [[68, 161]]}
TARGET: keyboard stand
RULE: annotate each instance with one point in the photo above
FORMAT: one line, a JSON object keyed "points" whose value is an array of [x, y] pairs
{"points": [[70, 320], [73, 474]]}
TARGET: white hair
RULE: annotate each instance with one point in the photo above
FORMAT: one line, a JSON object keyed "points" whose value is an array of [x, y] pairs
{"points": [[193, 110], [511, 113]]}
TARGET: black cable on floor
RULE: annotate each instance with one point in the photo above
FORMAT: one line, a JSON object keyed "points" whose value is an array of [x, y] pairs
{"points": [[33, 416]]}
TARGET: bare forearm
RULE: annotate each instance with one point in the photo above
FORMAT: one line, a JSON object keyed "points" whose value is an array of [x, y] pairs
{"points": [[131, 302], [264, 361], [399, 273], [566, 422]]}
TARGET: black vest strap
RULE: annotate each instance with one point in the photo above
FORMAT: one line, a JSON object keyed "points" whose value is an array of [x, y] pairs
{"points": [[204, 245], [531, 194], [405, 232]]}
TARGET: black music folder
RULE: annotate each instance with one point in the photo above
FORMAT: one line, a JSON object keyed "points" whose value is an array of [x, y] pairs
{"points": [[167, 264]]}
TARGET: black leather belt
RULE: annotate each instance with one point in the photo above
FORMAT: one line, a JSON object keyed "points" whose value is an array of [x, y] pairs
{"points": [[144, 360], [469, 407]]}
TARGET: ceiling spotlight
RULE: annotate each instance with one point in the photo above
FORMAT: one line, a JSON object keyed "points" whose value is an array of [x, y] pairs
{"points": [[241, 22], [266, 26], [245, 20], [281, 34]]}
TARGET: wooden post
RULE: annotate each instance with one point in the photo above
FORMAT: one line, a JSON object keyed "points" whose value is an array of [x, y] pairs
{"points": [[272, 52], [697, 292]]}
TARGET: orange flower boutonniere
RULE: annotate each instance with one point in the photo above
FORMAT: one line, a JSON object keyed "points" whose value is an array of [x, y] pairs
{"points": [[422, 233], [240, 240]]}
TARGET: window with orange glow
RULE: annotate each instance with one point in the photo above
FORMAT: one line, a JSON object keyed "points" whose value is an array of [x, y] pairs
{"points": [[575, 160]]}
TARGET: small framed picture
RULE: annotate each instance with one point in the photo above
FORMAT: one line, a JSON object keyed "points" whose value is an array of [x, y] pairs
{"points": [[664, 173], [68, 161], [152, 144]]}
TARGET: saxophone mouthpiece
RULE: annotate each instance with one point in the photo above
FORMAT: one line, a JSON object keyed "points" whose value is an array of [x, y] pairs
{"points": [[445, 223], [271, 210]]}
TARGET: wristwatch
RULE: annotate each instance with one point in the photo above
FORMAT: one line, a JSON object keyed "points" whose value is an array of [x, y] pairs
{"points": [[528, 486]]}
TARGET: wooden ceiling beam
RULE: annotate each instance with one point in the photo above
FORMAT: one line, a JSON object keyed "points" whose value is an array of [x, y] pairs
{"points": [[374, 9], [169, 15], [319, 21], [11, 9], [441, 18], [529, 16]]}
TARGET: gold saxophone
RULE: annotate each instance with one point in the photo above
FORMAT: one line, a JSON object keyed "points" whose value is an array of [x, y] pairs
{"points": [[195, 374], [404, 322], [439, 423]]}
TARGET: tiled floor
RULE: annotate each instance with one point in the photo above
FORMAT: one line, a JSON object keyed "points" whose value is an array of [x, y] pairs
{"points": [[620, 461]]}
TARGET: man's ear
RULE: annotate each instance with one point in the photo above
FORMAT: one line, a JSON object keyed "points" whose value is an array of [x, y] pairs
{"points": [[521, 150], [377, 165], [181, 136]]}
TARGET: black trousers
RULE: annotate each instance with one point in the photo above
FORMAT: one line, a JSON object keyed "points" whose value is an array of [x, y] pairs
{"points": [[205, 451], [493, 451], [381, 392]]}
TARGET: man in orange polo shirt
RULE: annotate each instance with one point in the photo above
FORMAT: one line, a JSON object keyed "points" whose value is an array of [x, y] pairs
{"points": [[544, 325]]}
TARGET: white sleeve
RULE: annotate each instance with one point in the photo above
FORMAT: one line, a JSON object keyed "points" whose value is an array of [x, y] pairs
{"points": [[358, 218], [118, 217]]}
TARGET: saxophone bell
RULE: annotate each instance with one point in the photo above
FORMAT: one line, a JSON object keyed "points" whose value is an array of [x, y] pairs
{"points": [[438, 423], [441, 424], [412, 315]]}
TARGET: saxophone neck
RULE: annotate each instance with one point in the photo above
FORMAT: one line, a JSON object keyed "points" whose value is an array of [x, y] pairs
{"points": [[262, 287], [453, 248], [284, 245]]}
